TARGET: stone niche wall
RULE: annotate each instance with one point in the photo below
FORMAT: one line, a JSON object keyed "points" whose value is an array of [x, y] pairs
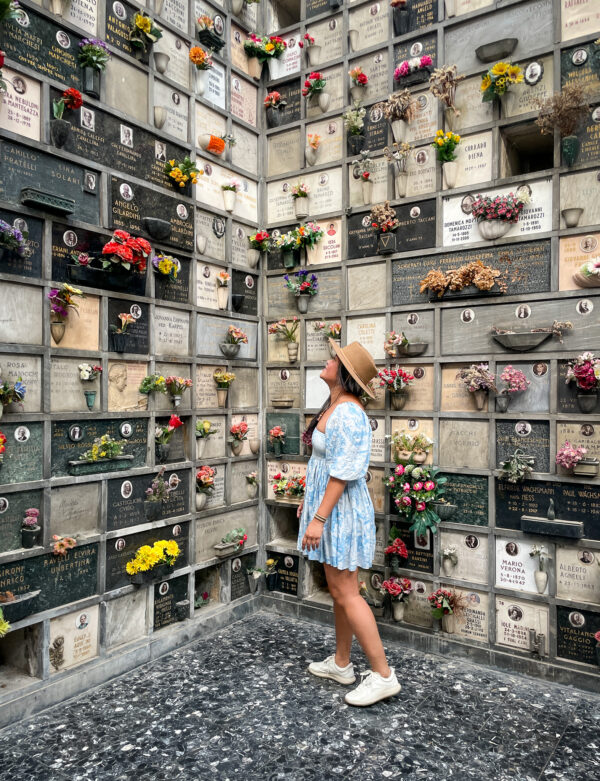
{"points": [[81, 608], [370, 294]]}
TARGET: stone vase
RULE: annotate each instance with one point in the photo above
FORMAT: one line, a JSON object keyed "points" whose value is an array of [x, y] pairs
{"points": [[356, 143], [493, 229], [503, 402], [271, 580], [200, 446], [572, 217], [222, 296], [401, 20], [401, 183], [201, 500], [161, 61], [367, 191], [201, 81], [332, 351], [314, 55], [480, 398], [236, 447], [59, 6], [450, 6], [302, 302], [288, 259], [59, 132], [251, 490], [160, 116], [201, 244], [449, 623], [90, 398], [236, 6], [570, 149], [541, 580], [29, 536], [57, 329], [449, 174], [447, 567], [301, 208], [90, 78], [587, 402], [357, 92], [353, 40], [229, 350], [450, 118], [254, 68], [254, 445], [292, 348], [399, 128], [398, 610], [161, 450], [158, 6], [153, 510], [274, 116], [398, 399], [276, 448], [310, 155], [222, 397], [252, 257], [229, 200]]}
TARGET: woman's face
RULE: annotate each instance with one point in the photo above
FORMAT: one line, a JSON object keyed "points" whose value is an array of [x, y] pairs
{"points": [[330, 371]]}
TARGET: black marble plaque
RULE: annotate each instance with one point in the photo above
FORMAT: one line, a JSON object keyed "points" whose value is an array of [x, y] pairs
{"points": [[375, 130], [292, 94], [567, 394], [118, 27], [62, 579], [23, 456], [12, 512], [177, 441], [316, 7], [362, 240], [38, 43], [64, 449], [416, 47], [130, 203], [67, 240], [422, 13], [30, 263], [416, 229], [275, 256], [581, 64], [420, 549], [239, 578], [120, 551], [245, 285], [470, 494], [291, 424], [133, 151], [24, 166], [138, 341], [532, 437], [572, 502], [125, 500], [287, 567], [589, 137], [526, 268], [166, 596], [575, 631], [176, 290]]}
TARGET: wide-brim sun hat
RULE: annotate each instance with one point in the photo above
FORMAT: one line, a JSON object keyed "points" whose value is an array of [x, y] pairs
{"points": [[359, 362]]}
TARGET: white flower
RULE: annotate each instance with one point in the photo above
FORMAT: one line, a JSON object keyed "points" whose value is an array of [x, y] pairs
{"points": [[414, 63]]}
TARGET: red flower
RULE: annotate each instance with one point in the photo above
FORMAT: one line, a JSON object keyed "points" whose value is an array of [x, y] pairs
{"points": [[175, 422], [316, 75], [121, 235], [362, 78], [300, 44], [111, 248], [72, 98], [145, 246], [124, 252], [1, 58]]}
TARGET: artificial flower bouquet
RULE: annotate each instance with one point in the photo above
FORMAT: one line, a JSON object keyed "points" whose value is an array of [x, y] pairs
{"points": [[300, 190], [505, 208], [177, 385], [260, 241], [63, 300], [223, 379], [314, 84], [286, 329], [413, 489], [302, 283], [12, 239], [200, 58], [223, 279], [103, 448], [166, 266], [235, 335], [277, 434], [357, 77], [477, 377], [407, 67], [205, 480], [93, 53], [514, 381], [126, 320], [445, 144], [13, 392], [204, 429], [149, 557], [395, 380], [88, 372], [274, 100], [396, 549], [584, 371], [160, 490], [153, 383], [126, 252], [163, 434], [568, 456], [398, 589], [182, 172], [498, 79], [383, 218], [144, 33], [70, 99], [238, 432]]}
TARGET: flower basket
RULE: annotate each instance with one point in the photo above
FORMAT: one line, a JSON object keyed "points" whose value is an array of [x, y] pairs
{"points": [[223, 549], [417, 77], [116, 464], [587, 467], [522, 342], [210, 40], [21, 606]]}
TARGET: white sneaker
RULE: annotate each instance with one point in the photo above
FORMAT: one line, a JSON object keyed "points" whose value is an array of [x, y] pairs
{"points": [[329, 669], [373, 688]]}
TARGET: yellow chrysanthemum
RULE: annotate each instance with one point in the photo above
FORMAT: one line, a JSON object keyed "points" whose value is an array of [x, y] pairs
{"points": [[439, 141], [456, 138], [500, 68], [485, 82], [440, 133], [269, 47], [143, 23]]}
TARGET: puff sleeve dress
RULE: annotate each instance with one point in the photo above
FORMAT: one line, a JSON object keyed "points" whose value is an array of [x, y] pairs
{"points": [[343, 451]]}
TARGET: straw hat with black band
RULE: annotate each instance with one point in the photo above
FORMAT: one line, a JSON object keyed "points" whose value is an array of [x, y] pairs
{"points": [[359, 363]]}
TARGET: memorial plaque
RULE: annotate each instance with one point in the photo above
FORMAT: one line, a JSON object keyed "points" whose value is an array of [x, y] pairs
{"points": [[578, 435], [331, 133], [12, 512], [471, 552], [20, 105], [62, 579], [378, 441], [126, 618], [212, 331], [416, 228], [83, 334], [375, 129], [137, 332], [525, 267], [212, 228], [372, 22], [574, 251], [125, 499], [239, 579], [376, 68], [413, 426], [467, 6], [236, 42], [171, 331], [575, 634], [282, 303], [287, 469], [470, 494], [515, 568], [24, 167], [417, 47], [290, 61], [210, 530], [418, 610], [473, 111], [474, 621], [243, 394], [131, 203], [316, 7], [215, 88], [127, 80], [239, 243], [245, 285], [425, 123], [365, 286], [329, 249], [420, 548], [521, 98], [578, 19], [537, 396], [243, 100], [215, 445], [328, 34], [38, 43], [283, 384], [577, 66], [274, 256], [422, 170], [178, 50], [124, 378], [464, 443], [30, 263], [460, 227], [283, 152], [176, 11], [174, 290], [376, 488], [205, 387], [514, 619], [82, 14], [177, 107], [75, 509], [166, 596], [14, 328], [208, 190], [290, 423], [66, 389], [29, 369], [577, 574], [532, 437], [133, 151], [362, 240], [119, 15], [370, 332], [474, 158], [209, 121], [379, 179], [76, 634], [317, 347], [416, 326], [253, 433], [71, 439], [581, 190], [291, 93], [455, 396], [316, 391], [335, 78], [245, 151], [238, 485], [572, 502], [589, 137], [122, 549], [287, 569]]}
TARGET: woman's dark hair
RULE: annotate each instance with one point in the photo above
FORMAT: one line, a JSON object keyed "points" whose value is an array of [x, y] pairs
{"points": [[348, 385]]}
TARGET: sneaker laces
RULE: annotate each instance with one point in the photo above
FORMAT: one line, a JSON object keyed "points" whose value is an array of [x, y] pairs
{"points": [[368, 679]]}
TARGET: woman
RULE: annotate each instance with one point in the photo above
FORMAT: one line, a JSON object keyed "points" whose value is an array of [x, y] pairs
{"points": [[337, 524]]}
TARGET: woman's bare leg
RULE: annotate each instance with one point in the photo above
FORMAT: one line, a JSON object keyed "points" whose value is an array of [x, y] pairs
{"points": [[343, 587], [343, 637]]}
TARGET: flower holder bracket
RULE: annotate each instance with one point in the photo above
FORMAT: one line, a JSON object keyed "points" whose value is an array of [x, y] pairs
{"points": [[116, 464]]}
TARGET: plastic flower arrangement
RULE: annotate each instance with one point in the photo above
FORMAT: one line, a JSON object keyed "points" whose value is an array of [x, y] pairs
{"points": [[307, 41], [238, 536], [205, 480], [126, 251], [506, 208], [569, 456], [276, 434], [238, 432], [286, 329], [442, 85], [274, 100], [177, 385], [404, 445], [12, 238], [302, 283], [163, 434], [413, 489], [540, 553], [498, 79], [150, 556], [450, 554], [3, 441], [310, 234], [153, 383], [314, 84], [252, 478], [223, 279], [12, 392], [395, 379], [204, 22], [517, 468], [361, 168], [223, 379], [383, 218], [397, 547], [235, 335], [159, 489], [70, 99], [62, 545], [182, 172], [334, 330], [441, 603], [400, 105], [590, 270], [126, 320], [397, 155], [584, 371], [289, 241], [93, 53], [103, 448], [399, 589], [260, 241], [514, 381], [88, 372], [358, 78], [445, 144], [204, 429], [407, 67], [477, 377], [166, 266], [300, 190], [296, 486], [392, 341], [62, 300], [354, 119], [9, 9], [314, 140], [232, 184], [143, 33], [200, 58]]}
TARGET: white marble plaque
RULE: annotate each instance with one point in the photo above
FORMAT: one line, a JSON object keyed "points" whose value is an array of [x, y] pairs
{"points": [[209, 192], [468, 6], [284, 153], [73, 639], [581, 190], [335, 87], [176, 104], [124, 379], [366, 286], [14, 328], [378, 441], [474, 622], [83, 14], [252, 421], [243, 394], [238, 487], [328, 34], [66, 390], [74, 509], [81, 333], [422, 167], [372, 22], [127, 80], [474, 159], [316, 389], [521, 98], [577, 574], [578, 434], [425, 123], [277, 346], [514, 565], [171, 331], [212, 228], [325, 195], [418, 610], [375, 66], [217, 497], [212, 331], [126, 618], [243, 100], [215, 86], [290, 60], [579, 18], [206, 285], [573, 252], [329, 249], [379, 177], [331, 133], [514, 619], [244, 153], [283, 384], [205, 387], [472, 554], [215, 444], [468, 102], [29, 369], [176, 11], [317, 348], [370, 332], [20, 105], [209, 121], [178, 50], [464, 443]]}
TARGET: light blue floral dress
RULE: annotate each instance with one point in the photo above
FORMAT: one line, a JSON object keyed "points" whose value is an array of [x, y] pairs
{"points": [[343, 451]]}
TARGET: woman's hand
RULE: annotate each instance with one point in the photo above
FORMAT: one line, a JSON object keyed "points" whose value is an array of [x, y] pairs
{"points": [[299, 510], [312, 535]]}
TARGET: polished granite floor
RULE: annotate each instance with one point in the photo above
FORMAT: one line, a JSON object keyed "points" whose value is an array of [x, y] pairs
{"points": [[239, 705]]}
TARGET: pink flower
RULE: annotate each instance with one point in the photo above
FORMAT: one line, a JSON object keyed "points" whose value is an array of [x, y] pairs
{"points": [[391, 479], [429, 485], [396, 502], [406, 487], [406, 501], [426, 60], [418, 486], [420, 506], [399, 469]]}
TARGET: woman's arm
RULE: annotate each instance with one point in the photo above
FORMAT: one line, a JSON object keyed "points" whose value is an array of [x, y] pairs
{"points": [[314, 530]]}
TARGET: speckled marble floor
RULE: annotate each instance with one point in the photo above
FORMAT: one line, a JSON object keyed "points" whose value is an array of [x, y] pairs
{"points": [[240, 705]]}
